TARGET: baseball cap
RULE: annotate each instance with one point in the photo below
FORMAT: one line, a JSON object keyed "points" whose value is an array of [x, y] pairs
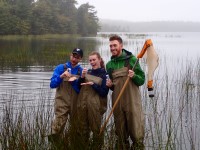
{"points": [[78, 51]]}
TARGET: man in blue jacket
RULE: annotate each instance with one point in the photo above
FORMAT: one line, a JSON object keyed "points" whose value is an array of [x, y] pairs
{"points": [[64, 79]]}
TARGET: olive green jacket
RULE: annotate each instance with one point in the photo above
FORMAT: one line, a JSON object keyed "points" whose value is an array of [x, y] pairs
{"points": [[120, 62]]}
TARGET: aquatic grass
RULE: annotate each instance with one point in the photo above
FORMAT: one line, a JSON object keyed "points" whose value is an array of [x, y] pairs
{"points": [[23, 52], [24, 59], [172, 116], [25, 126], [170, 121]]}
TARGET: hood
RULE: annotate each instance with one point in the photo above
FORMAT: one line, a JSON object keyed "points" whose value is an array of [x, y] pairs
{"points": [[125, 55], [69, 65]]}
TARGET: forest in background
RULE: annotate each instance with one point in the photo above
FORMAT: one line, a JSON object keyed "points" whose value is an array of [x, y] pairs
{"points": [[24, 17]]}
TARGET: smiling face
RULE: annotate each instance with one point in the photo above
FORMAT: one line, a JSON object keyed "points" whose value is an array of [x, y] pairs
{"points": [[75, 59], [95, 62], [116, 48]]}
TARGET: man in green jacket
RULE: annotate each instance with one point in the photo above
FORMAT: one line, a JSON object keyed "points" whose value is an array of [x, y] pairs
{"points": [[128, 114]]}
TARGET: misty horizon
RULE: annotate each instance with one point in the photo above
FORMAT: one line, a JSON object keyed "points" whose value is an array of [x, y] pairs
{"points": [[109, 25], [142, 11]]}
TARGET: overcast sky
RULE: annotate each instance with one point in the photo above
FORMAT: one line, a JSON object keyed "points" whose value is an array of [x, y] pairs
{"points": [[147, 10]]}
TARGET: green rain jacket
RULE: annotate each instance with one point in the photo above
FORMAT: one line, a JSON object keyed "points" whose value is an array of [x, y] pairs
{"points": [[120, 62]]}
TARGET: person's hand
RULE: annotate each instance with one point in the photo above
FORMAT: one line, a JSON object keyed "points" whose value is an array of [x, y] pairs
{"points": [[131, 73], [84, 72], [65, 74], [109, 83], [87, 83]]}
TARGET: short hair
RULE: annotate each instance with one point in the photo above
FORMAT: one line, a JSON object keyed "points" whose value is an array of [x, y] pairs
{"points": [[116, 37]]}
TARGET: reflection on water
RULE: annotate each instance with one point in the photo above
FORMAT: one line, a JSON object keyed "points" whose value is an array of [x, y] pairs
{"points": [[26, 68], [24, 80], [25, 88], [24, 53]]}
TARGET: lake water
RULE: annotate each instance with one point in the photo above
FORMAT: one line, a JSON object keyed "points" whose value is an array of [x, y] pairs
{"points": [[171, 47], [26, 67]]}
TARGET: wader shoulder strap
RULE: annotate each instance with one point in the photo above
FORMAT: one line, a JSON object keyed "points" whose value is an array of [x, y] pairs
{"points": [[89, 71], [79, 72], [127, 62], [110, 71], [65, 67]]}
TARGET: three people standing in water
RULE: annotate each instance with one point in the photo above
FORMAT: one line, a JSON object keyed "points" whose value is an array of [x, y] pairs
{"points": [[91, 102]]}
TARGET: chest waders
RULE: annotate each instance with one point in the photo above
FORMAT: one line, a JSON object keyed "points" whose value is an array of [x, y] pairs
{"points": [[128, 114], [64, 106], [90, 110]]}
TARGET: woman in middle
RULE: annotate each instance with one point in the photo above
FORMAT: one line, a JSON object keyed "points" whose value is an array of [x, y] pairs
{"points": [[92, 103]]}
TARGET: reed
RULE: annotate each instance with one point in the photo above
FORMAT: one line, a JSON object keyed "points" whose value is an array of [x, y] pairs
{"points": [[25, 126], [172, 116]]}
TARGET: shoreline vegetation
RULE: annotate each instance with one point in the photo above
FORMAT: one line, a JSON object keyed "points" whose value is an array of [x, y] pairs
{"points": [[119, 26], [172, 116], [39, 37]]}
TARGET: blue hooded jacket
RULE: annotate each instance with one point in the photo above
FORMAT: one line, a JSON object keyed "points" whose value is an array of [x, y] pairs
{"points": [[56, 80]]}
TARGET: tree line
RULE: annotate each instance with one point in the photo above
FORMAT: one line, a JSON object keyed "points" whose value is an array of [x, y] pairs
{"points": [[23, 17]]}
